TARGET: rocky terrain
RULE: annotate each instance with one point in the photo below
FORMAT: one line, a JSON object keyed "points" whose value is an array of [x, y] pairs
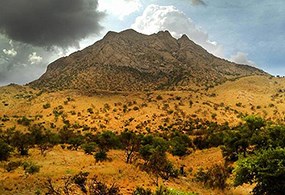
{"points": [[130, 61]]}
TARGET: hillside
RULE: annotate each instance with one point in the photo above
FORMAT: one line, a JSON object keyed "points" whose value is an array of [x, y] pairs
{"points": [[257, 95], [192, 113], [130, 61]]}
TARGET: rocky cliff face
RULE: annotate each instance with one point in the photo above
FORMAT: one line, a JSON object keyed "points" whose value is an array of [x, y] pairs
{"points": [[130, 61]]}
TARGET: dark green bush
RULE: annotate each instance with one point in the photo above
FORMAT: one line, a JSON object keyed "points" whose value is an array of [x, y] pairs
{"points": [[5, 150], [100, 156], [80, 180], [214, 177], [11, 166], [266, 169], [24, 121], [31, 167], [142, 191], [89, 148], [46, 106], [97, 187], [180, 144]]}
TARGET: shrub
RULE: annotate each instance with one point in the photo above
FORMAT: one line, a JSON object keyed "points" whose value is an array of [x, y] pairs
{"points": [[161, 190], [31, 167], [46, 106], [136, 108], [131, 142], [97, 187], [89, 147], [142, 191], [24, 121], [5, 150], [159, 97], [90, 110], [80, 180], [22, 142], [76, 141], [239, 104], [266, 169], [179, 144], [11, 166], [214, 177], [107, 140], [100, 156]]}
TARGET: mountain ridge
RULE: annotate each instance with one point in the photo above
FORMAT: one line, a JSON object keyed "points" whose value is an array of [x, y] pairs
{"points": [[131, 61]]}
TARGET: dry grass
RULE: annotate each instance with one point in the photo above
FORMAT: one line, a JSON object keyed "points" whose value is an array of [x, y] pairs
{"points": [[257, 95], [62, 163]]}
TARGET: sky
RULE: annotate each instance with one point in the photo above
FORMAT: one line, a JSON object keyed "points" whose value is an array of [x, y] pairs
{"points": [[33, 33]]}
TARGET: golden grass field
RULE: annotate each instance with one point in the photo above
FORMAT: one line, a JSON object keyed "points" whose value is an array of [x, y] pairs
{"points": [[144, 112]]}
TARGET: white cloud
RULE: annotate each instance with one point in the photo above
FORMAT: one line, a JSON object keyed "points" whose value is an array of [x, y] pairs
{"points": [[156, 18], [11, 43], [241, 58], [10, 52], [34, 58], [119, 8]]}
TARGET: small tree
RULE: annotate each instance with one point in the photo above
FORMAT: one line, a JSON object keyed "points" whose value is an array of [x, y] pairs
{"points": [[89, 148], [101, 155], [76, 141], [97, 187], [80, 180], [266, 169], [107, 140], [153, 151], [179, 144], [214, 177], [22, 141], [131, 142], [5, 150], [24, 121]]}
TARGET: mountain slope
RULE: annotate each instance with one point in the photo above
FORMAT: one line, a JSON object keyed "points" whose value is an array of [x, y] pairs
{"points": [[130, 61]]}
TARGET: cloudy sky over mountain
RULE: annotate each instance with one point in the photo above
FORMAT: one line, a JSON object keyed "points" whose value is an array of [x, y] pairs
{"points": [[33, 33]]}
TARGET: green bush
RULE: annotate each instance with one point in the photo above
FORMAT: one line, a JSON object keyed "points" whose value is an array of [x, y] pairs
{"points": [[142, 191], [100, 156], [266, 169], [179, 144], [214, 177], [22, 141], [24, 121], [11, 166], [97, 187], [89, 147], [80, 180], [161, 190], [5, 150], [107, 140], [31, 167], [90, 110], [46, 106]]}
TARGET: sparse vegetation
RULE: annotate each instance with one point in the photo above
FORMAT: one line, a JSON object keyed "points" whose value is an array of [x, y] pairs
{"points": [[138, 139], [46, 106]]}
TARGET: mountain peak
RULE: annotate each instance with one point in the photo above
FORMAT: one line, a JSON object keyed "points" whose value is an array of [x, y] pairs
{"points": [[131, 61], [184, 37], [165, 33], [110, 34]]}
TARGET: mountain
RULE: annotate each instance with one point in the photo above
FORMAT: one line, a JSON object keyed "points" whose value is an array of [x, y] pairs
{"points": [[131, 61]]}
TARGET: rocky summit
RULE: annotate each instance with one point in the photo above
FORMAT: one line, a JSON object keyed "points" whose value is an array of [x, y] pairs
{"points": [[131, 61]]}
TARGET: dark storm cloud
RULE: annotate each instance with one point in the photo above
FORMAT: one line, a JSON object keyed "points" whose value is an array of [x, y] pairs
{"points": [[48, 23], [25, 64]]}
